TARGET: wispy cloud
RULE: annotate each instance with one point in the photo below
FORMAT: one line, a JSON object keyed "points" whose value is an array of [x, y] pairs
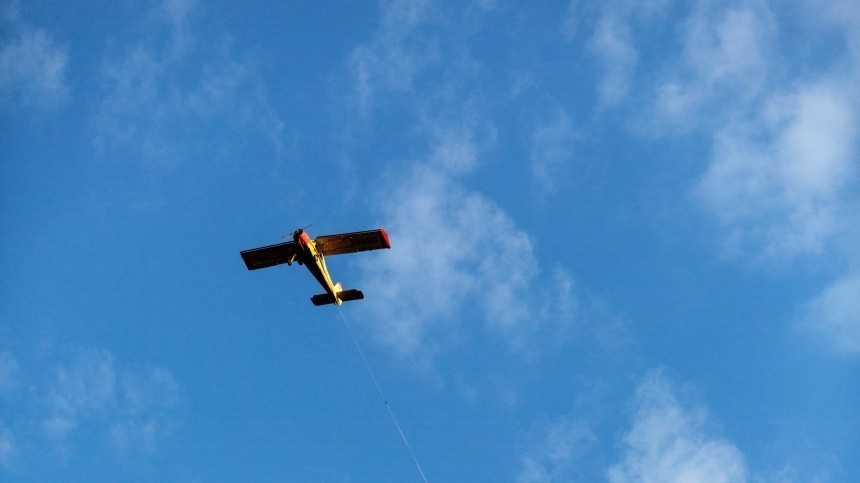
{"points": [[565, 444], [784, 150], [84, 389], [177, 14], [130, 406], [152, 95], [782, 177], [390, 62], [7, 446], [458, 137], [84, 404], [552, 151], [613, 45], [10, 373], [724, 65], [32, 64], [609, 28], [670, 441], [10, 379], [459, 255], [835, 315], [780, 182]]}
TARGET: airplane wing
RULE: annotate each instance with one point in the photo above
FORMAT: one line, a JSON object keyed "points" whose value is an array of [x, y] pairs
{"points": [[358, 241], [269, 256]]}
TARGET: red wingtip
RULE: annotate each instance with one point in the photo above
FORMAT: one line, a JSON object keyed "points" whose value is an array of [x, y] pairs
{"points": [[385, 238]]}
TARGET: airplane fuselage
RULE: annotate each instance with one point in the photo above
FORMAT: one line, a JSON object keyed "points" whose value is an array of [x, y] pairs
{"points": [[312, 253], [312, 258]]}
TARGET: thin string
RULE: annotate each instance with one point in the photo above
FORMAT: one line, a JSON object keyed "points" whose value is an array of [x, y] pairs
{"points": [[382, 395]]}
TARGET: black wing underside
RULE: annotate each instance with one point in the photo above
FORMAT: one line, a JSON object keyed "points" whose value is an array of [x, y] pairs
{"points": [[358, 241], [269, 256]]}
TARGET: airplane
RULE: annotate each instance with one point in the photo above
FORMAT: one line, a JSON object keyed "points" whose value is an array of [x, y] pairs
{"points": [[311, 253]]}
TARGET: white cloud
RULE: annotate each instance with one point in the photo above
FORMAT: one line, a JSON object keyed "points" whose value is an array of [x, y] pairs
{"points": [[133, 86], [453, 249], [782, 180], [609, 29], [457, 138], [784, 158], [10, 378], [8, 446], [10, 373], [566, 442], [457, 256], [390, 62], [177, 12], [723, 67], [818, 142], [32, 66], [835, 314], [844, 15], [551, 151], [131, 407], [669, 442], [152, 94], [87, 404], [730, 47], [612, 44], [84, 389], [779, 182]]}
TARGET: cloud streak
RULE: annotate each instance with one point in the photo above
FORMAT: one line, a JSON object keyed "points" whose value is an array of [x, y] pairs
{"points": [[781, 179], [722, 68], [835, 315], [392, 60], [668, 441], [32, 65], [458, 256], [610, 29], [565, 444], [85, 404], [552, 151], [131, 406], [612, 44], [213, 89], [784, 173], [783, 157], [10, 379]]}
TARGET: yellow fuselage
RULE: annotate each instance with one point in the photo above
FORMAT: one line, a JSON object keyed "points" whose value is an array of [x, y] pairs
{"points": [[315, 261]]}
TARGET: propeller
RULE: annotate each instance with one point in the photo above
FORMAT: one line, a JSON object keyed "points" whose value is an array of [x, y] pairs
{"points": [[299, 230]]}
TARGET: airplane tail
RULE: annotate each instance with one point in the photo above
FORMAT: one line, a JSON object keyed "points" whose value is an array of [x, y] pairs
{"points": [[342, 296]]}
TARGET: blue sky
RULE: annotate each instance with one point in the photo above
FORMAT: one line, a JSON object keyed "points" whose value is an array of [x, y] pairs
{"points": [[624, 240]]}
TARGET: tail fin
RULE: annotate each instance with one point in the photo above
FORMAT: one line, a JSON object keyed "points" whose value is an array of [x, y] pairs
{"points": [[343, 296]]}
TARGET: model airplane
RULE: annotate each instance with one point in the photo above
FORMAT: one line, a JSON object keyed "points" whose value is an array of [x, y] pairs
{"points": [[311, 253]]}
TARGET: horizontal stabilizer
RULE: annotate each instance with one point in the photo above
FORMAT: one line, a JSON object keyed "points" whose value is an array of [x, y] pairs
{"points": [[344, 296], [348, 295]]}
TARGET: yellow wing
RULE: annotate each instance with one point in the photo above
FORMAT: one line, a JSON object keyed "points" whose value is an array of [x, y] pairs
{"points": [[358, 241]]}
